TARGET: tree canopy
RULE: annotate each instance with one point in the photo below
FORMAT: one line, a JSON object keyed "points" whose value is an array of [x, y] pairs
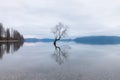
{"points": [[59, 31]]}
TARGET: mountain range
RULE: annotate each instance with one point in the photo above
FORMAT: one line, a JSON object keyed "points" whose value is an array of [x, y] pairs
{"points": [[83, 40]]}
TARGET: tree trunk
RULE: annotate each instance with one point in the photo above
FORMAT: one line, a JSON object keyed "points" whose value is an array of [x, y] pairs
{"points": [[55, 42]]}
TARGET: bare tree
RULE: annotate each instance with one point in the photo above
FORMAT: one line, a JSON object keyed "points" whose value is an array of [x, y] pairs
{"points": [[59, 32], [1, 31], [8, 34], [17, 36]]}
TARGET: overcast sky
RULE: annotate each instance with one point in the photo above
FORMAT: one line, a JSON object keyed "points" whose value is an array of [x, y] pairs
{"points": [[84, 17]]}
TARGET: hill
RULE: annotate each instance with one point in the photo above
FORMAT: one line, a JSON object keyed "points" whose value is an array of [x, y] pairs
{"points": [[98, 40]]}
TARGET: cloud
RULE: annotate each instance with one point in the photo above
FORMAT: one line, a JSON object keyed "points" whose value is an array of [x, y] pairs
{"points": [[84, 17]]}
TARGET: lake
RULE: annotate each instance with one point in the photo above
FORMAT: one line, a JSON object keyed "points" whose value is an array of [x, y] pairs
{"points": [[70, 61]]}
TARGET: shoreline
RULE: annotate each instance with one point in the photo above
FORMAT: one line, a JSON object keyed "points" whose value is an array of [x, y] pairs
{"points": [[10, 41]]}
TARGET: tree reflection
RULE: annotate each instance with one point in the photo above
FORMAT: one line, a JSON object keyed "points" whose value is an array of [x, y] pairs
{"points": [[9, 47], [61, 53]]}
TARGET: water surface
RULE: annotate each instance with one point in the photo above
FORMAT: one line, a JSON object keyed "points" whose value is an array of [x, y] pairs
{"points": [[42, 61]]}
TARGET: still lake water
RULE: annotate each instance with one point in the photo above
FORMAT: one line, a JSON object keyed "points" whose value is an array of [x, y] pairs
{"points": [[42, 61]]}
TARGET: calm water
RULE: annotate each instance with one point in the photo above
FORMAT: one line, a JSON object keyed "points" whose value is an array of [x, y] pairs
{"points": [[71, 61]]}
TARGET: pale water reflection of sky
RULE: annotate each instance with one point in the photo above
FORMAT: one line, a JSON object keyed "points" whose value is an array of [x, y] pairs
{"points": [[84, 17]]}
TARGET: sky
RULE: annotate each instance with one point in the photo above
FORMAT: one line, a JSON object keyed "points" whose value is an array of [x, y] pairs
{"points": [[35, 18]]}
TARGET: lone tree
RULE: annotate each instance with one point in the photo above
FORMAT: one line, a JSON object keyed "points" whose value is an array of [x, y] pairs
{"points": [[59, 32]]}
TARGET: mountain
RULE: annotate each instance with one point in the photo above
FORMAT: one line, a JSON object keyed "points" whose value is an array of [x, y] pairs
{"points": [[43, 40], [101, 40], [93, 40], [38, 40]]}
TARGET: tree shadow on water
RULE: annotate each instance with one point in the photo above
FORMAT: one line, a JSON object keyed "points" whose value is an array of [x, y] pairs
{"points": [[9, 47], [60, 54]]}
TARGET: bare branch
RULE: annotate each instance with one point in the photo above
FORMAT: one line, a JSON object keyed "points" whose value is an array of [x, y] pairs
{"points": [[59, 31]]}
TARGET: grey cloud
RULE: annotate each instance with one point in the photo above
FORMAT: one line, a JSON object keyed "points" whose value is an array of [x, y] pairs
{"points": [[85, 17]]}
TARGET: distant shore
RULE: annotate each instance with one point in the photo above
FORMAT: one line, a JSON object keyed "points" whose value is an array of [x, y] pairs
{"points": [[10, 41]]}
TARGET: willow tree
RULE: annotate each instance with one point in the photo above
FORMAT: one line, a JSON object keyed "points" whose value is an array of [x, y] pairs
{"points": [[59, 32]]}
